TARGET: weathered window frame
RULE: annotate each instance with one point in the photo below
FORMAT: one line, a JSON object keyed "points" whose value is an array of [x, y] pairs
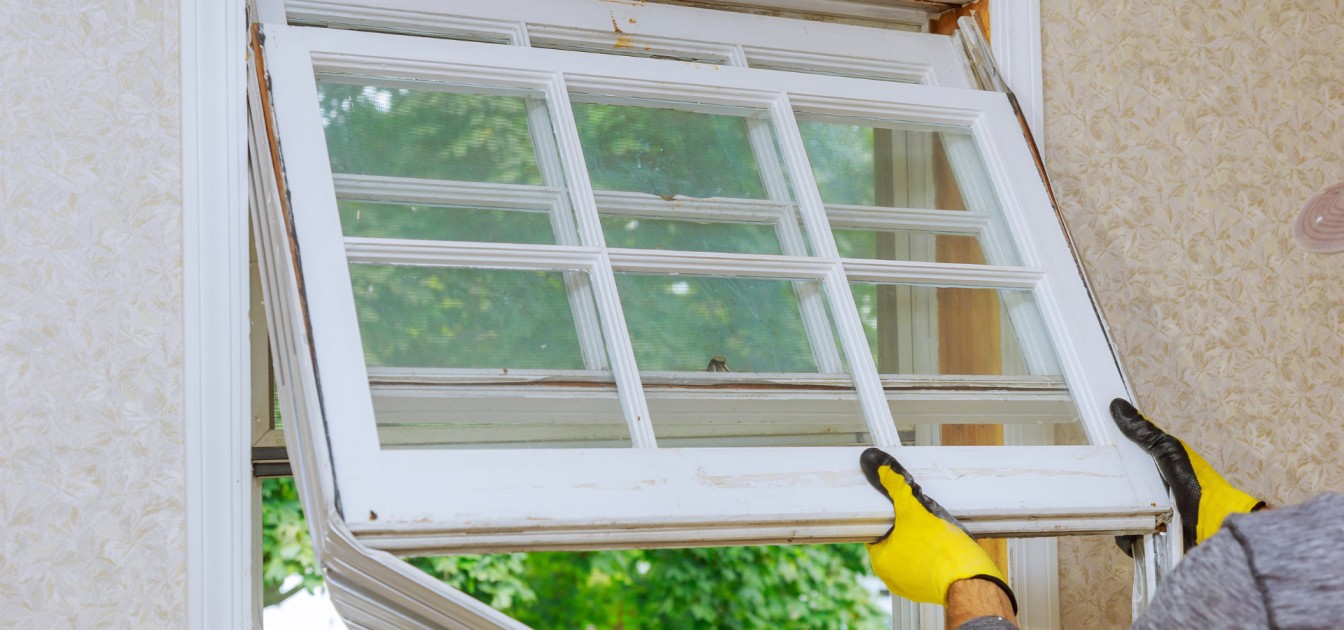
{"points": [[396, 501], [210, 93]]}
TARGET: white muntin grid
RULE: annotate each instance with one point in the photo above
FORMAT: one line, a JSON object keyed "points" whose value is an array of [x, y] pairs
{"points": [[679, 496], [1011, 220], [565, 178]]}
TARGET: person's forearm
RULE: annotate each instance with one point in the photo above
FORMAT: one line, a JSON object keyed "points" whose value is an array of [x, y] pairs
{"points": [[969, 599]]}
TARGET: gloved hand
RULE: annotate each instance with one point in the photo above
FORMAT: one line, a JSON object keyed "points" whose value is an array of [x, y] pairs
{"points": [[926, 549], [1203, 497]]}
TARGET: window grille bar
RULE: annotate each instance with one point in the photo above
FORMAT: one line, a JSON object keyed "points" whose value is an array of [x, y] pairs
{"points": [[386, 251], [852, 338], [578, 289], [978, 192], [941, 274], [437, 192], [620, 350], [810, 299]]}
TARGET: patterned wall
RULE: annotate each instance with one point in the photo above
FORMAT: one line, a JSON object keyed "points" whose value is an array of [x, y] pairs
{"points": [[1181, 140], [91, 451]]}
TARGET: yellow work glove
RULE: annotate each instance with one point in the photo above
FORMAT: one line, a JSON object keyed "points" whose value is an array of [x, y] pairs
{"points": [[1203, 498], [926, 549]]}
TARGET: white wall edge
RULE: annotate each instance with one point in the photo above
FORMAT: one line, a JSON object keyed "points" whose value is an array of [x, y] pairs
{"points": [[1016, 45], [216, 383]]}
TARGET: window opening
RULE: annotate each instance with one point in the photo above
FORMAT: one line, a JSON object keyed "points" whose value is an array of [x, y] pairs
{"points": [[736, 230]]}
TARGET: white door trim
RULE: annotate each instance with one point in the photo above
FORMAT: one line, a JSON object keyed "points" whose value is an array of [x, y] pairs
{"points": [[1016, 45], [216, 371]]}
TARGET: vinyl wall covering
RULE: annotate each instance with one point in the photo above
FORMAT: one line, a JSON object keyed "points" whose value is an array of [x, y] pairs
{"points": [[92, 521], [1182, 139]]}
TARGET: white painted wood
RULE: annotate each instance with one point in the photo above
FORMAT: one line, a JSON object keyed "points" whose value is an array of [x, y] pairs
{"points": [[620, 349], [1028, 330], [546, 417], [439, 192], [793, 243], [391, 83], [838, 293], [1016, 46], [717, 493], [838, 65], [267, 11], [387, 251], [631, 77], [516, 32], [1042, 386], [719, 264], [711, 209], [1062, 297], [1033, 574], [628, 380], [326, 280], [215, 352], [610, 41], [906, 219], [1033, 563], [365, 585], [908, 615], [411, 543], [663, 29], [903, 12], [1000, 490], [942, 274], [404, 190]]}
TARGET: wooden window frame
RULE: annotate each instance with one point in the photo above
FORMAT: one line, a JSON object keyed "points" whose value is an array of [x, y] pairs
{"points": [[390, 499], [210, 37]]}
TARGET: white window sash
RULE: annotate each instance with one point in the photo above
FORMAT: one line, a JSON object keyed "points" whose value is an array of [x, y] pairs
{"points": [[416, 501], [713, 36]]}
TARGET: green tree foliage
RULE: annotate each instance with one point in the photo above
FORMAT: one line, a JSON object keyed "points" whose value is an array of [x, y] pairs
{"points": [[286, 550]]}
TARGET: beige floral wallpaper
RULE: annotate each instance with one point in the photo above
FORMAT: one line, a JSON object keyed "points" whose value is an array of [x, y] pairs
{"points": [[1182, 138], [91, 451]]}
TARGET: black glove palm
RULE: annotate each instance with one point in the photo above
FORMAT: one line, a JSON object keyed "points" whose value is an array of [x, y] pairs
{"points": [[1203, 497]]}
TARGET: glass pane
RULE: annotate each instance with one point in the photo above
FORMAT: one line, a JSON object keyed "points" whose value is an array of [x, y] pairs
{"points": [[681, 323], [476, 417], [967, 332], [441, 223], [392, 131], [873, 164], [949, 330], [668, 152], [465, 318], [457, 334], [866, 165], [643, 233], [669, 178], [908, 246], [732, 362]]}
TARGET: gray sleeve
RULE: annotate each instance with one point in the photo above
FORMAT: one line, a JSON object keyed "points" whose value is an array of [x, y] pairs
{"points": [[1211, 588], [988, 623]]}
